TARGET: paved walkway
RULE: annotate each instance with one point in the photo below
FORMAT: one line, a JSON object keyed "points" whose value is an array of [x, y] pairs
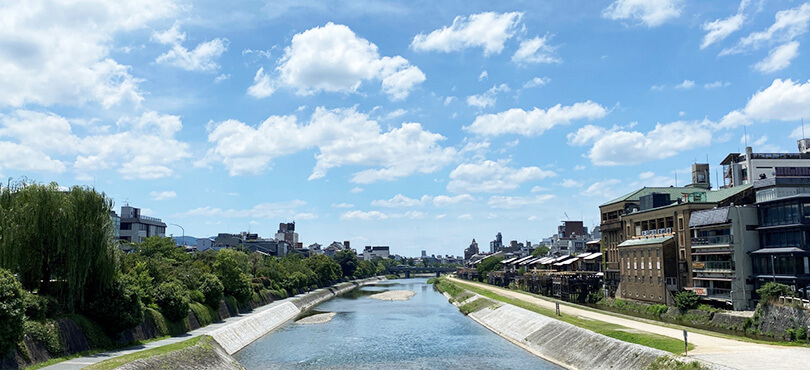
{"points": [[721, 351]]}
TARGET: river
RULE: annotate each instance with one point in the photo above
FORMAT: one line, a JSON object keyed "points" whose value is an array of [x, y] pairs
{"points": [[425, 332]]}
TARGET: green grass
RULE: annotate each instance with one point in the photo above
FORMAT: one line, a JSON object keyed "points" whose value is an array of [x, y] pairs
{"points": [[669, 363], [162, 350], [607, 329], [92, 352], [475, 305]]}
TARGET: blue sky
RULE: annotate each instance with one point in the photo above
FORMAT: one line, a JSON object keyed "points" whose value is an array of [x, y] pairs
{"points": [[419, 125]]}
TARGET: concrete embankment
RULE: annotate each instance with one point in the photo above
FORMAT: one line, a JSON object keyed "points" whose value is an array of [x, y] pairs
{"points": [[559, 342], [238, 335], [206, 354]]}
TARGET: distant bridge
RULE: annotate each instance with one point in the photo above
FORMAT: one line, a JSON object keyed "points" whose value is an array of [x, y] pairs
{"points": [[407, 270]]}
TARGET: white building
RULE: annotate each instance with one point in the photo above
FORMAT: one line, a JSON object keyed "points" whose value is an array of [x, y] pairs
{"points": [[740, 169], [204, 244], [135, 227], [372, 252]]}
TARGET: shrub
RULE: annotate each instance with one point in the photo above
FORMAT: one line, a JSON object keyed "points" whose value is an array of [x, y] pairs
{"points": [[39, 307], [772, 291], [205, 315], [686, 300], [94, 334], [196, 296], [657, 309], [116, 309], [12, 311], [801, 334], [212, 290], [172, 298], [45, 332], [157, 318]]}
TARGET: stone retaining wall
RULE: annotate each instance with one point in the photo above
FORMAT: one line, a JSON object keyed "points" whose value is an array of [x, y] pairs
{"points": [[233, 337]]}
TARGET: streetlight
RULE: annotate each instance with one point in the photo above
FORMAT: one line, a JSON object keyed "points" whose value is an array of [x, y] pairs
{"points": [[184, 233]]}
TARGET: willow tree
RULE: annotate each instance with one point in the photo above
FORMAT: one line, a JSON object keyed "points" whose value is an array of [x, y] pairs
{"points": [[57, 242]]}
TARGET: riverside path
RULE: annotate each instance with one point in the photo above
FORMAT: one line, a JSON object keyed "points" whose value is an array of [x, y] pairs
{"points": [[722, 351]]}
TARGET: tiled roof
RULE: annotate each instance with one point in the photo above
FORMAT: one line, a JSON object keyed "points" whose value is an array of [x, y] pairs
{"points": [[709, 217]]}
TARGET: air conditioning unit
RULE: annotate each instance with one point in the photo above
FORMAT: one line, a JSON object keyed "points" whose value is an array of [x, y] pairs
{"points": [[661, 231], [669, 230], [644, 233]]}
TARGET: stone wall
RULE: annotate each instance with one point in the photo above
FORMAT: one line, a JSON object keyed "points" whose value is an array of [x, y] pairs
{"points": [[775, 319], [235, 336], [206, 354]]}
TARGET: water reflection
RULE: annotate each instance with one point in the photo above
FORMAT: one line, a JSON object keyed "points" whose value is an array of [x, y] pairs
{"points": [[424, 332]]}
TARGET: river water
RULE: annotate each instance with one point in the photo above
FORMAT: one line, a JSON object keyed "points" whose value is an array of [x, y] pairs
{"points": [[425, 332]]}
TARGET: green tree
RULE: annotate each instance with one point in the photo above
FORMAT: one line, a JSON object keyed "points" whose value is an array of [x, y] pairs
{"points": [[50, 235], [772, 290], [172, 298], [686, 300], [12, 311], [116, 308], [325, 268], [540, 251], [212, 290], [230, 268], [487, 265], [347, 261]]}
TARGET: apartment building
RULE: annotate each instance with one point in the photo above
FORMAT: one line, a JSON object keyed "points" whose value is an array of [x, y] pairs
{"points": [[135, 227]]}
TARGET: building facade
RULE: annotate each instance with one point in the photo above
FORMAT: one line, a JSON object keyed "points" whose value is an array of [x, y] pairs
{"points": [[784, 235], [648, 269], [721, 240], [374, 252], [471, 250], [136, 227]]}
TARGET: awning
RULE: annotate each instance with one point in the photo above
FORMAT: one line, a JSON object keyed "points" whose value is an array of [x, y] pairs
{"points": [[583, 255], [519, 260], [509, 260], [779, 250], [645, 241], [711, 278], [593, 256]]}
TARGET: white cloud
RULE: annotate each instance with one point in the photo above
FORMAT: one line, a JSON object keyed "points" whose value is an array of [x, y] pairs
{"points": [[509, 202], [719, 29], [144, 147], [356, 190], [343, 136], [441, 216], [602, 189], [449, 100], [649, 178], [534, 122], [657, 87], [398, 200], [289, 210], [535, 82], [532, 218], [536, 50], [538, 189], [716, 84], [571, 183], [262, 85], [465, 216], [492, 177], [445, 200], [202, 58], [652, 13], [487, 30], [779, 58], [58, 53], [222, 77], [488, 98], [685, 85], [665, 140], [342, 205], [483, 75], [788, 25], [585, 135], [365, 216], [395, 114], [784, 100], [162, 195], [579, 167], [333, 59]]}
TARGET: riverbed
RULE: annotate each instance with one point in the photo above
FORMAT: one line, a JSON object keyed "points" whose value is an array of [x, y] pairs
{"points": [[424, 332]]}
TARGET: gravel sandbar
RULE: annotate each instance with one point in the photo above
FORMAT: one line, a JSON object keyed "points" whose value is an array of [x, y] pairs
{"points": [[321, 318], [394, 295]]}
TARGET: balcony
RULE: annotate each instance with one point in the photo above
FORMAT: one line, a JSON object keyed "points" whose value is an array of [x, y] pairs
{"points": [[712, 240], [712, 266]]}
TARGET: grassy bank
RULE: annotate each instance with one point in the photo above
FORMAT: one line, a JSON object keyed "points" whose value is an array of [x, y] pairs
{"points": [[611, 330], [118, 361]]}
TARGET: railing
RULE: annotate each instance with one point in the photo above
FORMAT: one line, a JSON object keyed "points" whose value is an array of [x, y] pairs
{"points": [[153, 219], [711, 265], [710, 240], [718, 293]]}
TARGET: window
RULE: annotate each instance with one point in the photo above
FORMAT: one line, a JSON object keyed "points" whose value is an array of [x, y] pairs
{"points": [[659, 280], [649, 265], [658, 264], [658, 253], [126, 226], [680, 223]]}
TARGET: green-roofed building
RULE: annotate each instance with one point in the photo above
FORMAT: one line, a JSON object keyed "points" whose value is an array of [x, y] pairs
{"points": [[652, 212]]}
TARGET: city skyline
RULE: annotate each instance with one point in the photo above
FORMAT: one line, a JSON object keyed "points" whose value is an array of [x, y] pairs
{"points": [[438, 123]]}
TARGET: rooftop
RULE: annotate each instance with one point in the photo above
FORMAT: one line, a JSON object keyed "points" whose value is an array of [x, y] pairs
{"points": [[712, 196], [646, 241]]}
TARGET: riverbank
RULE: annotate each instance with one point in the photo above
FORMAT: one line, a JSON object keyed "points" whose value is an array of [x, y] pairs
{"points": [[289, 307], [708, 348]]}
